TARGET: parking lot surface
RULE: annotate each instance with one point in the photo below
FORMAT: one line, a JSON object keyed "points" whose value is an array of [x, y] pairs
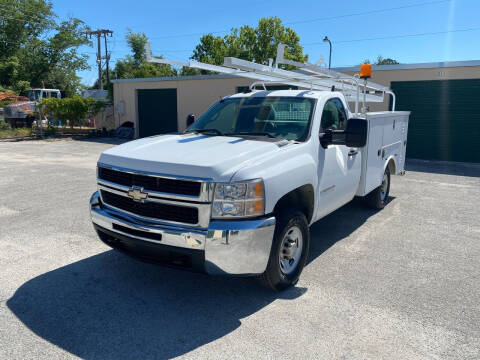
{"points": [[401, 283]]}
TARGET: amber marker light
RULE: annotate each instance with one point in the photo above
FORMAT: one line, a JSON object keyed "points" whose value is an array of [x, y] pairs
{"points": [[259, 189], [366, 71]]}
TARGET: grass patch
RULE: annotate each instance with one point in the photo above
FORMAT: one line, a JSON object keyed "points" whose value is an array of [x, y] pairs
{"points": [[7, 133]]}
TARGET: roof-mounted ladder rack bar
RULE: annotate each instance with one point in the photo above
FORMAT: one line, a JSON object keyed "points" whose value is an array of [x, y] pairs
{"points": [[308, 76]]}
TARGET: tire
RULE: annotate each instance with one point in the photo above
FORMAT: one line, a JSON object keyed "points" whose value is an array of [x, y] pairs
{"points": [[291, 231], [377, 199]]}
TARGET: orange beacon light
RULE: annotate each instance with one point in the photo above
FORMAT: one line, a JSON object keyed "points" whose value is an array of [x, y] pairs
{"points": [[366, 71]]}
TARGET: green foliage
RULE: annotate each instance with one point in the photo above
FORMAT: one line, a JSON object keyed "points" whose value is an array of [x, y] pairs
{"points": [[188, 71], [136, 65], [387, 61], [382, 61], [34, 48], [73, 109], [253, 44], [4, 125], [94, 106], [5, 102], [137, 42], [21, 87], [6, 131]]}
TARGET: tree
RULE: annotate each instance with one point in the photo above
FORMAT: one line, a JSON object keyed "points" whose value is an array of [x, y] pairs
{"points": [[387, 61], [37, 50], [136, 65], [381, 61], [253, 44]]}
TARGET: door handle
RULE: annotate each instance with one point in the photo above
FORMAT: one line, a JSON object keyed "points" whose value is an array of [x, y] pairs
{"points": [[352, 152]]}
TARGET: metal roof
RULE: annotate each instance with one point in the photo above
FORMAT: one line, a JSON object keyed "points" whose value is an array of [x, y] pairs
{"points": [[430, 65], [176, 78]]}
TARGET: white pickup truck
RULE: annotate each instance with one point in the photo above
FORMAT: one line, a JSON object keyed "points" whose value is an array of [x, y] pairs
{"points": [[237, 191]]}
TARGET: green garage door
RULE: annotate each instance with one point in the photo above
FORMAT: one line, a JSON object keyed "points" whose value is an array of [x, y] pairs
{"points": [[157, 111], [445, 119]]}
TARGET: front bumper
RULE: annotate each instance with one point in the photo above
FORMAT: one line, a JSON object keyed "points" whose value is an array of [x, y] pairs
{"points": [[240, 247]]}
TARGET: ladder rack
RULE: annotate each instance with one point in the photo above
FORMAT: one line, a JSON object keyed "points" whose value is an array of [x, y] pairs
{"points": [[308, 76]]}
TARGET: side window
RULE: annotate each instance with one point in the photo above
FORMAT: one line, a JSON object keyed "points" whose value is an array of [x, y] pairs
{"points": [[334, 116]]}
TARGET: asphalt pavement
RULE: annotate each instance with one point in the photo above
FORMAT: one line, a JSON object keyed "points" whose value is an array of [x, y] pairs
{"points": [[401, 283]]}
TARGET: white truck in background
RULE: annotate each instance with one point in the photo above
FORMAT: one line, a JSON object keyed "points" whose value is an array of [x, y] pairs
{"points": [[23, 113], [237, 191]]}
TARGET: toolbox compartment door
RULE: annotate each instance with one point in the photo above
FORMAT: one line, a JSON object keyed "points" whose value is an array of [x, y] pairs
{"points": [[387, 135]]}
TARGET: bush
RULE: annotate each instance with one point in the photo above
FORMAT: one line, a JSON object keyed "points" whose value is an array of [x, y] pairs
{"points": [[21, 87], [4, 125], [73, 109]]}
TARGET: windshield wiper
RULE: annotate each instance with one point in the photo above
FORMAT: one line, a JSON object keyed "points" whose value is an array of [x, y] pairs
{"points": [[201, 131], [254, 134]]}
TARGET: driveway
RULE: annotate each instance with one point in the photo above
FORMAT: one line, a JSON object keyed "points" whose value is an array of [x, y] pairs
{"points": [[401, 283]]}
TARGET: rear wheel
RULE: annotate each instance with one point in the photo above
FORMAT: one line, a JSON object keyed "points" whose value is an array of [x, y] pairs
{"points": [[377, 199], [289, 251]]}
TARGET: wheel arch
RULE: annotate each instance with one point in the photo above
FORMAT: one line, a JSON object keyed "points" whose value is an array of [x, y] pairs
{"points": [[391, 164], [301, 198]]}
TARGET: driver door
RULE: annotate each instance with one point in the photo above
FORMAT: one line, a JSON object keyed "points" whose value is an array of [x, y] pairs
{"points": [[339, 166]]}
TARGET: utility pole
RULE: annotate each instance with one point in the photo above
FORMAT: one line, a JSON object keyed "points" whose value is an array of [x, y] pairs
{"points": [[99, 33], [107, 58]]}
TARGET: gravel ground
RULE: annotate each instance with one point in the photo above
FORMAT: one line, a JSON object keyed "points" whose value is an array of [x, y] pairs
{"points": [[402, 283]]}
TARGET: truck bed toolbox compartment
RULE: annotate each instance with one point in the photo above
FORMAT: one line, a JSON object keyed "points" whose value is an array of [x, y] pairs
{"points": [[386, 140]]}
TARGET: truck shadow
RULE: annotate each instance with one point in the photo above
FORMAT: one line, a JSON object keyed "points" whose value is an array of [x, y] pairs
{"points": [[337, 226], [110, 306]]}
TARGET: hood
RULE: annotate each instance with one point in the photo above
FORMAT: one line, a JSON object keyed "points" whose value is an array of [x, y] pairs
{"points": [[191, 155]]}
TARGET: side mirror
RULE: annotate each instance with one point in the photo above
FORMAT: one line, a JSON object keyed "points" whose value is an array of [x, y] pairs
{"points": [[190, 119], [356, 133]]}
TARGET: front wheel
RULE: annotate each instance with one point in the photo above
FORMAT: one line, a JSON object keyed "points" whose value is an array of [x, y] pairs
{"points": [[289, 251], [378, 197]]}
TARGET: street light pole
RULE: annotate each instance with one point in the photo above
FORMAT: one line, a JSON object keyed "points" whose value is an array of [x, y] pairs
{"points": [[326, 39]]}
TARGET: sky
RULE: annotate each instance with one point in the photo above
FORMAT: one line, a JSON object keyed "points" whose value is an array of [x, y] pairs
{"points": [[409, 31]]}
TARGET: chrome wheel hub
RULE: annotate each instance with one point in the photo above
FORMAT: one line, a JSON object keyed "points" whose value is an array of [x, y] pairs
{"points": [[291, 250], [384, 187]]}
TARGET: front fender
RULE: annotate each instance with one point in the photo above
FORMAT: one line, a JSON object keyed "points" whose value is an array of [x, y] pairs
{"points": [[282, 173]]}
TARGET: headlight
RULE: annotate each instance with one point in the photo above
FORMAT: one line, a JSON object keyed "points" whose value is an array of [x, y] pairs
{"points": [[242, 199]]}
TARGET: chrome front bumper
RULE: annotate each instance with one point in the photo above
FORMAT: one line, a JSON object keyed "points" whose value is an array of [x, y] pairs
{"points": [[240, 247]]}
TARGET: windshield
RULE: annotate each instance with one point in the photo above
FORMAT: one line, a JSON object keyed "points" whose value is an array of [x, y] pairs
{"points": [[34, 95], [281, 117]]}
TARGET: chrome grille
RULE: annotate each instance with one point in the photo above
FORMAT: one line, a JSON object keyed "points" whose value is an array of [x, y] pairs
{"points": [[165, 198], [153, 183], [154, 210]]}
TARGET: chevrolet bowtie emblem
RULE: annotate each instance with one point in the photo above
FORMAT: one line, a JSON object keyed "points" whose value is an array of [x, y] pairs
{"points": [[137, 194]]}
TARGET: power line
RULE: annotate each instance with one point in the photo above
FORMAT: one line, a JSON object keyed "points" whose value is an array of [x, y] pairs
{"points": [[314, 43], [357, 40], [397, 36], [367, 12], [317, 19]]}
